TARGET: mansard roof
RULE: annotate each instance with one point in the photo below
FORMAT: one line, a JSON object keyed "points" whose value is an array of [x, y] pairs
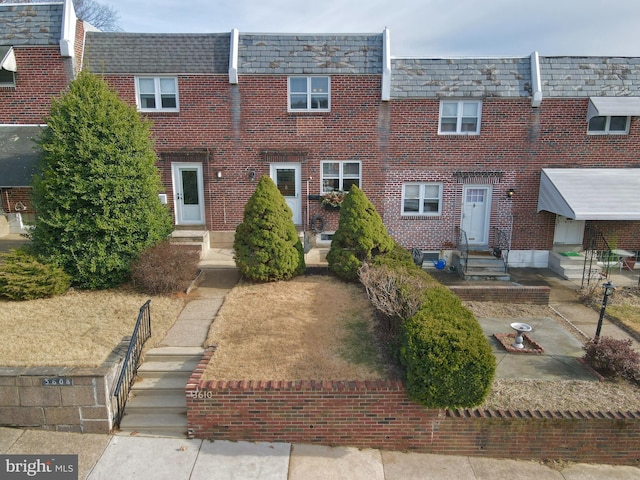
{"points": [[30, 24], [590, 76], [261, 53], [460, 77], [157, 53]]}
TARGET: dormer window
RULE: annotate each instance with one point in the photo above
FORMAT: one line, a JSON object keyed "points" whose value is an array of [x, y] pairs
{"points": [[7, 78]]}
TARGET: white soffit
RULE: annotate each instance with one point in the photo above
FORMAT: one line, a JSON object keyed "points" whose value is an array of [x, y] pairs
{"points": [[591, 193], [613, 106]]}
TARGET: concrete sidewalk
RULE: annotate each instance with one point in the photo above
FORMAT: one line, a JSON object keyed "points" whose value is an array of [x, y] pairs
{"points": [[104, 457]]}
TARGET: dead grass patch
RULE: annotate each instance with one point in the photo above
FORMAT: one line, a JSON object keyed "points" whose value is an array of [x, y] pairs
{"points": [[308, 328], [79, 328]]}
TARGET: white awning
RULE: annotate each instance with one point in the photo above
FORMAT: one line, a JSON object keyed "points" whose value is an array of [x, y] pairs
{"points": [[8, 59], [591, 193], [613, 106]]}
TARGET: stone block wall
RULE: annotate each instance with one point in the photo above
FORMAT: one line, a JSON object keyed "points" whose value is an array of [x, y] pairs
{"points": [[33, 396]]}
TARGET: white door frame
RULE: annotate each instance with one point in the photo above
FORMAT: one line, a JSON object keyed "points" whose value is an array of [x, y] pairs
{"points": [[294, 201], [480, 238], [187, 214]]}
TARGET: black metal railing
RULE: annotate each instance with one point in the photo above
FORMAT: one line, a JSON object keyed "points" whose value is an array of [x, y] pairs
{"points": [[502, 247], [598, 254], [463, 247], [141, 333]]}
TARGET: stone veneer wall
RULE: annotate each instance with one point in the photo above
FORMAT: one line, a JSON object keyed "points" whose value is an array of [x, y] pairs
{"points": [[378, 414], [86, 406]]}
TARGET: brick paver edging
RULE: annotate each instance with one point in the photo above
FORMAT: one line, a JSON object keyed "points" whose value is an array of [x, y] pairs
{"points": [[378, 414]]}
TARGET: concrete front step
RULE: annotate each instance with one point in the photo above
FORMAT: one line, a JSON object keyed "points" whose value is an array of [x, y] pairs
{"points": [[155, 423], [486, 275], [156, 368], [173, 354], [167, 382], [152, 402]]}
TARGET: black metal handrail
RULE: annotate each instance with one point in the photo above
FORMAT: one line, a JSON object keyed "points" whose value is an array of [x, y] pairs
{"points": [[502, 247], [463, 247], [141, 333], [597, 250]]}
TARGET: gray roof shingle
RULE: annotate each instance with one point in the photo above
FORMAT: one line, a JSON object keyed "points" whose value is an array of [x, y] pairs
{"points": [[30, 24], [322, 54], [590, 76], [151, 53], [460, 77]]}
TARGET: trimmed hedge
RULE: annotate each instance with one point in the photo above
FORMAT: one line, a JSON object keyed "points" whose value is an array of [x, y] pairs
{"points": [[447, 357], [24, 277]]}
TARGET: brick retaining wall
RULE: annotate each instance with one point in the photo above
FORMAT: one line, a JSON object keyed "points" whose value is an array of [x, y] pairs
{"points": [[378, 414], [504, 294]]}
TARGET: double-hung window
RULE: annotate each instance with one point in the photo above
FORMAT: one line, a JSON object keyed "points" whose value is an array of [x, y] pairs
{"points": [[614, 125], [421, 199], [309, 94], [460, 117], [155, 94], [339, 176]]}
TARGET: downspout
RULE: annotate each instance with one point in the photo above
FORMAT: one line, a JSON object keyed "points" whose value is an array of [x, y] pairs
{"points": [[386, 65], [536, 83], [233, 57]]}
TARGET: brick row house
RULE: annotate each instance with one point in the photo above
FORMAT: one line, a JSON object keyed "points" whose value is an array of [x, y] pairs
{"points": [[524, 154]]}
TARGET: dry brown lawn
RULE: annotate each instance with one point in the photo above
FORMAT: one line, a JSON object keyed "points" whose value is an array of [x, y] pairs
{"points": [[79, 328], [300, 330]]}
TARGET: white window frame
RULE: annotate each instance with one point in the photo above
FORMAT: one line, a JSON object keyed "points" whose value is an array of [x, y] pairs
{"points": [[421, 199], [460, 104], [341, 177], [157, 92], [310, 94], [607, 130]]}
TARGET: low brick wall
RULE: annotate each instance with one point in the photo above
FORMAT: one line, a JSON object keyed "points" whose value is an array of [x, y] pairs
{"points": [[504, 294], [59, 398], [379, 415]]}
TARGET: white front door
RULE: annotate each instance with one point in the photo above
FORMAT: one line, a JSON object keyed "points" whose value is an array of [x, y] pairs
{"points": [[287, 177], [476, 208], [188, 193], [568, 232]]}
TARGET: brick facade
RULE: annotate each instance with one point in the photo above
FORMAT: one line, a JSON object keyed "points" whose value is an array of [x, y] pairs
{"points": [[379, 415]]}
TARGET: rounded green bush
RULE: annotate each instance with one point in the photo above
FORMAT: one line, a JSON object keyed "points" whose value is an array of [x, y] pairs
{"points": [[267, 246], [448, 359], [24, 277]]}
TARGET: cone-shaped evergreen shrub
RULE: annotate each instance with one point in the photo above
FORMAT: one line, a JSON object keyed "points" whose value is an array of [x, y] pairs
{"points": [[97, 193], [360, 236], [267, 246]]}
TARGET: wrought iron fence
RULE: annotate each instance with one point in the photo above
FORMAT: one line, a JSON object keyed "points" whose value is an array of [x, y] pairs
{"points": [[141, 333], [503, 245], [598, 253]]}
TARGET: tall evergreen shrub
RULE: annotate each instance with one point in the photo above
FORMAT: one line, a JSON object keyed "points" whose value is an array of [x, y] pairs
{"points": [[360, 236], [267, 246], [97, 193]]}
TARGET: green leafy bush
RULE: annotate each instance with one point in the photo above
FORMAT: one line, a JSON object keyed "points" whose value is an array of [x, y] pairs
{"points": [[360, 236], [165, 268], [267, 246], [24, 277], [448, 359], [613, 358], [97, 193]]}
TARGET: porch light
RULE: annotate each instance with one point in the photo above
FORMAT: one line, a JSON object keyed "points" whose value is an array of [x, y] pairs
{"points": [[252, 175], [608, 290], [510, 193], [219, 174]]}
